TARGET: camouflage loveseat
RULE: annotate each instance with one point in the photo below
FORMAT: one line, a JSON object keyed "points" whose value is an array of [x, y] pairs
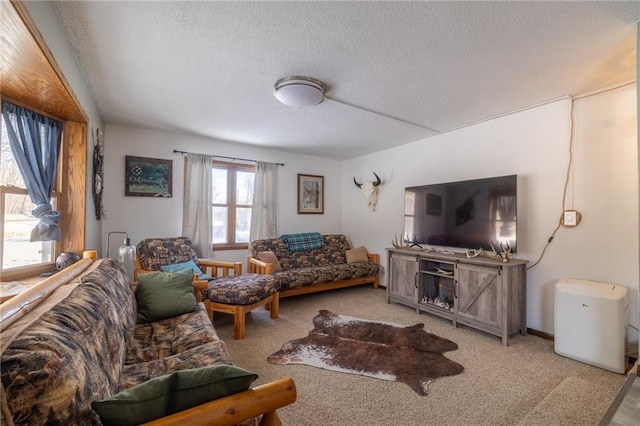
{"points": [[311, 262], [73, 340]]}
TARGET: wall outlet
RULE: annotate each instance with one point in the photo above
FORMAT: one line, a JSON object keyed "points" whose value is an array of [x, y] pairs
{"points": [[570, 218]]}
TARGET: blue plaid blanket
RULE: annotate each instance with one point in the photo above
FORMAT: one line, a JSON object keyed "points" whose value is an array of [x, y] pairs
{"points": [[303, 241]]}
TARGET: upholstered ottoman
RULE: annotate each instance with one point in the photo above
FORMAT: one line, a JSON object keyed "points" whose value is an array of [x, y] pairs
{"points": [[241, 294]]}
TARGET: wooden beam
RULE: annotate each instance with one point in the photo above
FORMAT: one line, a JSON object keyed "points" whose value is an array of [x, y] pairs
{"points": [[30, 73]]}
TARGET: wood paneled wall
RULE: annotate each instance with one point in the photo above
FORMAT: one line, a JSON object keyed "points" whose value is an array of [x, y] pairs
{"points": [[74, 162], [30, 74]]}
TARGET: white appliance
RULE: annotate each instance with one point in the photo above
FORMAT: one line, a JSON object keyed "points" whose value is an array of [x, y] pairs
{"points": [[590, 323]]}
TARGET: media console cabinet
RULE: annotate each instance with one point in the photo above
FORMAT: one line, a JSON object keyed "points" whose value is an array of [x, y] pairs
{"points": [[480, 292]]}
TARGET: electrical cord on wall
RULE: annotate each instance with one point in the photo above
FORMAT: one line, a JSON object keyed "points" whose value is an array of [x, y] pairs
{"points": [[566, 184], [546, 246], [570, 165]]}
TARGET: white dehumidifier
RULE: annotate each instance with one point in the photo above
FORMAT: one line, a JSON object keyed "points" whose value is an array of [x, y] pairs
{"points": [[590, 323]]}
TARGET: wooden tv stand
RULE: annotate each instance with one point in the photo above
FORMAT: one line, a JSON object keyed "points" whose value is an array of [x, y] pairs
{"points": [[479, 292]]}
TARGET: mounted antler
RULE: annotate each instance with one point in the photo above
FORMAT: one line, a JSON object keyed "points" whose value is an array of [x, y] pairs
{"points": [[493, 253], [370, 190], [376, 183], [397, 244], [506, 251], [504, 254], [473, 252]]}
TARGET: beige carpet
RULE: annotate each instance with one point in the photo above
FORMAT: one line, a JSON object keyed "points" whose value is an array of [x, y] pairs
{"points": [[572, 402], [500, 385]]}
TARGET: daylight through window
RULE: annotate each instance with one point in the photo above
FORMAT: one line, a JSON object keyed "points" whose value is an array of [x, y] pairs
{"points": [[16, 220], [232, 201]]}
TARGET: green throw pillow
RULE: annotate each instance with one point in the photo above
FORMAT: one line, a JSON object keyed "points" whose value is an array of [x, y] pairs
{"points": [[185, 266], [171, 393], [163, 295]]}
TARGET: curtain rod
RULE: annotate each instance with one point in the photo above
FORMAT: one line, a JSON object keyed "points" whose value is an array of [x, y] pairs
{"points": [[177, 151]]}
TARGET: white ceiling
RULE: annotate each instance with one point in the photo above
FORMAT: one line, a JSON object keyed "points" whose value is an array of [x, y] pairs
{"points": [[208, 68]]}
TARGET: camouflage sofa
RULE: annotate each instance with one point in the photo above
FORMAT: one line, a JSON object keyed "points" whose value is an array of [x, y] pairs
{"points": [[310, 262], [73, 340]]}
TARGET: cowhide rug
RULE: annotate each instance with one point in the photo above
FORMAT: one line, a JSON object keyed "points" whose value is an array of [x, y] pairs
{"points": [[387, 351]]}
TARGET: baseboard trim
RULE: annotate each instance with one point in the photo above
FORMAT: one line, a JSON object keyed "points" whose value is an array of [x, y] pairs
{"points": [[539, 333]]}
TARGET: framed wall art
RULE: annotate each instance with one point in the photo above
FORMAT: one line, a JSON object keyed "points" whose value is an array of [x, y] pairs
{"points": [[148, 177], [310, 194]]}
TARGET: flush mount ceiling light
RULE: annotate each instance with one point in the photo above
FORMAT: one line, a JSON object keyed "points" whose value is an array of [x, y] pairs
{"points": [[299, 91]]}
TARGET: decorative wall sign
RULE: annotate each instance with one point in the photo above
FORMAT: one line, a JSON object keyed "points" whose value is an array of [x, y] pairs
{"points": [[310, 194], [148, 177]]}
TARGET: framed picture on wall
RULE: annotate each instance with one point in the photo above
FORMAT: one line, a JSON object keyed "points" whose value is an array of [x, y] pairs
{"points": [[310, 194], [148, 177]]}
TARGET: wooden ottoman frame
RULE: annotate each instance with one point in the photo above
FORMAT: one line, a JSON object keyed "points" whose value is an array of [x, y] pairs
{"points": [[238, 311]]}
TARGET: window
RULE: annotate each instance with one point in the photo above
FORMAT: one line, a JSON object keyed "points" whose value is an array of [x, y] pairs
{"points": [[37, 82], [17, 253], [232, 201]]}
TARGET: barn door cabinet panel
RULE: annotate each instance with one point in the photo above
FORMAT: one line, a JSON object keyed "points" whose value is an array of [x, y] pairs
{"points": [[403, 277], [482, 293], [479, 295]]}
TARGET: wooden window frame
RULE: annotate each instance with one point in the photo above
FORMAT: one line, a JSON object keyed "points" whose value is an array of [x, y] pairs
{"points": [[231, 204], [36, 82], [36, 268], [57, 194]]}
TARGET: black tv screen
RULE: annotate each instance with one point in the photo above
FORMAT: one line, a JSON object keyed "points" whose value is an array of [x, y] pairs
{"points": [[467, 214]]}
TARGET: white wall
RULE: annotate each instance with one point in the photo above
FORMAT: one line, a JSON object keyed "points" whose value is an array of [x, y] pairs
{"points": [[534, 145], [145, 217], [49, 26]]}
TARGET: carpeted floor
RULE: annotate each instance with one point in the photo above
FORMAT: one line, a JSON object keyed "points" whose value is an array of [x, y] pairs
{"points": [[524, 382]]}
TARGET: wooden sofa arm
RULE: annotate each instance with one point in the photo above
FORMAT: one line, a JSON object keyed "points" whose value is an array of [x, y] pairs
{"points": [[257, 266], [198, 286], [374, 257], [217, 268], [236, 408]]}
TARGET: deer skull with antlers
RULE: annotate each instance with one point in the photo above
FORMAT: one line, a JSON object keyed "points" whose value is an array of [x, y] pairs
{"points": [[370, 191]]}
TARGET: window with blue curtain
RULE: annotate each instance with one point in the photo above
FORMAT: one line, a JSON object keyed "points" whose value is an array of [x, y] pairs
{"points": [[35, 144]]}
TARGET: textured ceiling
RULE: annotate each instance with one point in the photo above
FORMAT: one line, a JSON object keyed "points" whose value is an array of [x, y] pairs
{"points": [[208, 68]]}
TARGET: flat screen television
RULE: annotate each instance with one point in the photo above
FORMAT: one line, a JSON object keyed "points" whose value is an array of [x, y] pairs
{"points": [[467, 214]]}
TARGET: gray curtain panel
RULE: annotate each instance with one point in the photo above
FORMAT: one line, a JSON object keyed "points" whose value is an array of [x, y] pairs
{"points": [[196, 212], [264, 212]]}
